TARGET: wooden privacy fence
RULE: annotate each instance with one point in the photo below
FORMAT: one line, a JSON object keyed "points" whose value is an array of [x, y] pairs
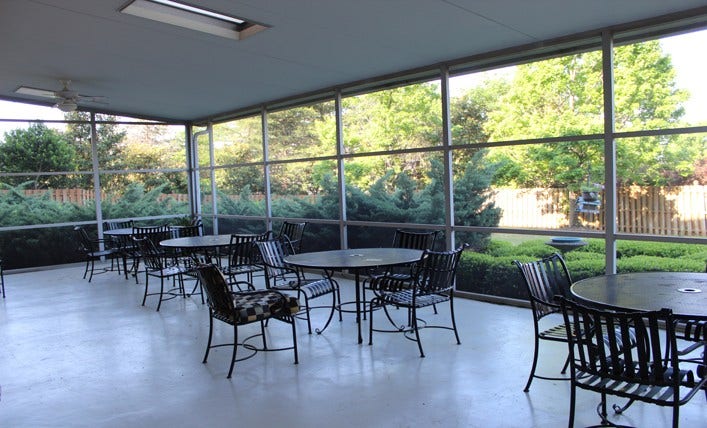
{"points": [[677, 211]]}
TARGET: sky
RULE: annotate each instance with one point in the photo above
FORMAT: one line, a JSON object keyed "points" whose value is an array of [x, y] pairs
{"points": [[684, 50]]}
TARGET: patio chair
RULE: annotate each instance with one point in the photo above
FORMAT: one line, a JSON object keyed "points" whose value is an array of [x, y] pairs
{"points": [[282, 277], [294, 232], [244, 257], [93, 249], [544, 279], [402, 239], [694, 332], [154, 234], [156, 265], [245, 307], [649, 371], [432, 283]]}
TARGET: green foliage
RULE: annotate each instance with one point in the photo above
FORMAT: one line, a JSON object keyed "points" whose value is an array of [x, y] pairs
{"points": [[37, 149], [491, 272], [644, 263]]}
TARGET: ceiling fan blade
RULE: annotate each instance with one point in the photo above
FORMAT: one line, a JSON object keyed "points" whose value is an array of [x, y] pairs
{"points": [[36, 92]]}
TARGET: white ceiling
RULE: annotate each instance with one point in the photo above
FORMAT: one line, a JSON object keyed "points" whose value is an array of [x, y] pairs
{"points": [[153, 69]]}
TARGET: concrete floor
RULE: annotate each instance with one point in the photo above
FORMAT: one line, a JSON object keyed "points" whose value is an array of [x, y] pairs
{"points": [[79, 354]]}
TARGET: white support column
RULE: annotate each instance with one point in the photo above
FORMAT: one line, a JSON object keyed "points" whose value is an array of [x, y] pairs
{"points": [[212, 175], [609, 152], [96, 176], [343, 228], [266, 168], [447, 153]]}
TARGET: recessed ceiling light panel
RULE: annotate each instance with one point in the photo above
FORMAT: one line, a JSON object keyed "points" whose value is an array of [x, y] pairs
{"points": [[192, 17]]}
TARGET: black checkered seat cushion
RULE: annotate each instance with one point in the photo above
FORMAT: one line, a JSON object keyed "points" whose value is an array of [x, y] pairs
{"points": [[260, 305]]}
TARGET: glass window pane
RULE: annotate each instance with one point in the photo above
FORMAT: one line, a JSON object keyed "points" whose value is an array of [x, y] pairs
{"points": [[241, 190], [396, 188], [134, 147], [662, 185], [659, 83], [305, 190], [46, 199], [302, 132], [238, 141], [560, 96], [138, 195], [536, 186], [400, 118]]}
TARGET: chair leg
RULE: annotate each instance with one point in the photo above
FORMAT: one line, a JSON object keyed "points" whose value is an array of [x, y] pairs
{"points": [[535, 363], [454, 322], [211, 333], [294, 340], [85, 271], [147, 283], [331, 314], [161, 293], [235, 349], [573, 394], [90, 277], [417, 332]]}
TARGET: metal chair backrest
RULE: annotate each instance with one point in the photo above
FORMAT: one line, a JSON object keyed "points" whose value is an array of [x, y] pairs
{"points": [[113, 225], [185, 231], [153, 257], [415, 240], [273, 253], [218, 293], [154, 233], [294, 232], [242, 249], [436, 271], [598, 347], [545, 279], [85, 242]]}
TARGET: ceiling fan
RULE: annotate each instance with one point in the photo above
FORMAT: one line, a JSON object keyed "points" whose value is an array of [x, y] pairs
{"points": [[67, 100]]}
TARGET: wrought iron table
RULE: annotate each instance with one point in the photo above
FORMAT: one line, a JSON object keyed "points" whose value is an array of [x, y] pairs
{"points": [[354, 260], [683, 292]]}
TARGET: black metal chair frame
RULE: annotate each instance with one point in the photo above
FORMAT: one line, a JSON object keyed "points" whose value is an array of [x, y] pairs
{"points": [[648, 370], [157, 266], [244, 257], [544, 279], [283, 277], [94, 249], [402, 239], [154, 234], [433, 283], [224, 305], [294, 232]]}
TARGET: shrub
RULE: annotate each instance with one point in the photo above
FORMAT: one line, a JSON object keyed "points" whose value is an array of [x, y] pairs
{"points": [[644, 263]]}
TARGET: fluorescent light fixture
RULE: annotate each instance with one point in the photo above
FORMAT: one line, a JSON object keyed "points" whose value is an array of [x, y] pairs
{"points": [[192, 17]]}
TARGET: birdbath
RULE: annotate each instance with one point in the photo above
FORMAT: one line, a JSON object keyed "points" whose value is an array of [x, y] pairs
{"points": [[566, 243]]}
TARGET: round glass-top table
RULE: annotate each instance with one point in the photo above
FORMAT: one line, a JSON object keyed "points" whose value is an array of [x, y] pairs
{"points": [[683, 292], [354, 260]]}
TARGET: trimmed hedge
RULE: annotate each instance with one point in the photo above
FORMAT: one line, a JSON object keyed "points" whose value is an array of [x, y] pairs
{"points": [[493, 272]]}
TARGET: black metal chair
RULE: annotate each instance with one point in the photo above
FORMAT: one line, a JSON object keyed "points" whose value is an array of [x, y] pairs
{"points": [[244, 257], [544, 279], [648, 370], [156, 265], [402, 239], [92, 250], [694, 332], [280, 276], [294, 233], [154, 234], [433, 283], [245, 307]]}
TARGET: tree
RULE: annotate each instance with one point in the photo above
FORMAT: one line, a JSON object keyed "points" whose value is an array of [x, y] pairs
{"points": [[109, 141], [37, 149], [563, 97]]}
